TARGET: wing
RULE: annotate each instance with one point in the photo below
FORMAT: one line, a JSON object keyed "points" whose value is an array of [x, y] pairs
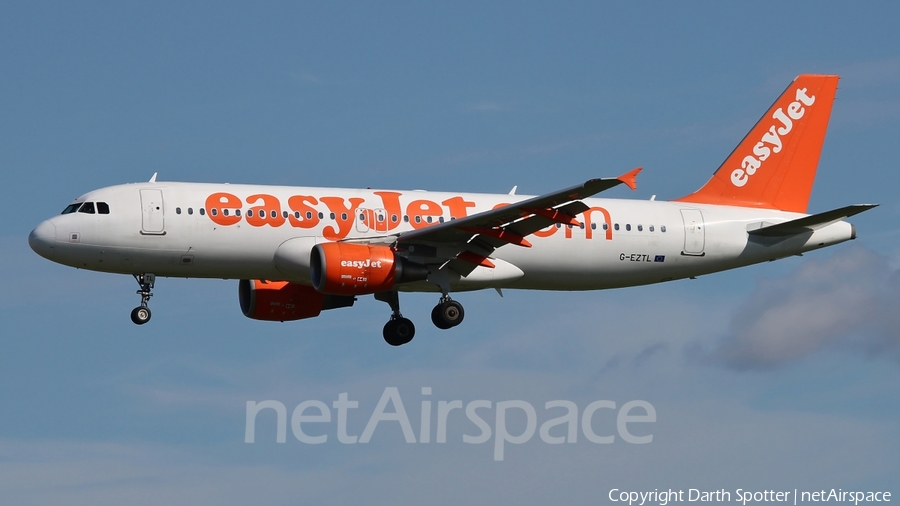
{"points": [[466, 243]]}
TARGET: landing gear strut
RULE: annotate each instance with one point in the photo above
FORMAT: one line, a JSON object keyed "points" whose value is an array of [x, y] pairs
{"points": [[141, 314], [398, 330], [447, 314]]}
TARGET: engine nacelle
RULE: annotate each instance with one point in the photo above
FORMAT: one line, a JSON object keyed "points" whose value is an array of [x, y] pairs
{"points": [[357, 269], [284, 301]]}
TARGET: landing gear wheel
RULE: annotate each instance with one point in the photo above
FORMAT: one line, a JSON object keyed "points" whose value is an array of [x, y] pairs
{"points": [[436, 318], [447, 314], [399, 331], [140, 315]]}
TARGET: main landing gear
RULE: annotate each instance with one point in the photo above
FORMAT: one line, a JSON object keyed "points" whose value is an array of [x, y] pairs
{"points": [[398, 330], [447, 314], [141, 314]]}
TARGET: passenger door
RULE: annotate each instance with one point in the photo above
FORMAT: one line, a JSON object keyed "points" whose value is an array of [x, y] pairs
{"points": [[153, 212], [694, 233]]}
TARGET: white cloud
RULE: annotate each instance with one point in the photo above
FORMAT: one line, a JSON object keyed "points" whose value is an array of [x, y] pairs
{"points": [[847, 301]]}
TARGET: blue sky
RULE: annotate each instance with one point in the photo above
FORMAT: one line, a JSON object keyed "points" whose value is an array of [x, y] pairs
{"points": [[452, 96]]}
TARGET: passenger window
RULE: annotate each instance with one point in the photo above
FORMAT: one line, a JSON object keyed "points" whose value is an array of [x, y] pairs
{"points": [[640, 228], [662, 228], [190, 210], [177, 210], [296, 215], [362, 216], [224, 212], [651, 228], [628, 227], [331, 215], [249, 213], [237, 212], [605, 226], [428, 219], [284, 214], [343, 216], [406, 218], [418, 219], [87, 208], [308, 215], [274, 213], [321, 216], [593, 226], [441, 219], [394, 218], [213, 211], [202, 212], [616, 226], [102, 208]]}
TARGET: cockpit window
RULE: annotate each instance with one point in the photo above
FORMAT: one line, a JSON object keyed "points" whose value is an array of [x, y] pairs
{"points": [[71, 208], [87, 207], [102, 208]]}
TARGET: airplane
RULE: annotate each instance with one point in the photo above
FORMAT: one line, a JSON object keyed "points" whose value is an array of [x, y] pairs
{"points": [[298, 251]]}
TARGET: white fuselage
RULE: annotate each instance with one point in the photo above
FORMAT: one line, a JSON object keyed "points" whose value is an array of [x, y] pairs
{"points": [[169, 229]]}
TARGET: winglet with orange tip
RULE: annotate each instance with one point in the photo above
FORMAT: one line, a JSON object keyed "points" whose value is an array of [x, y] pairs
{"points": [[630, 178], [775, 164]]}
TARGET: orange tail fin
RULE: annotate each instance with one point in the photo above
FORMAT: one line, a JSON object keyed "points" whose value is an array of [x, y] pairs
{"points": [[775, 165]]}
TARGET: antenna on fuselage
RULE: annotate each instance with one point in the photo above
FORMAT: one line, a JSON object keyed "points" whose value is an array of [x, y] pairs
{"points": [[153, 177]]}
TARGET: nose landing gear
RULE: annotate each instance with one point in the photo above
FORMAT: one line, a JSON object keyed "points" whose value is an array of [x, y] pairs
{"points": [[141, 314]]}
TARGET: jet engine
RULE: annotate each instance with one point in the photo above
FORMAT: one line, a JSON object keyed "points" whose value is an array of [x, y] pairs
{"points": [[357, 269], [285, 301]]}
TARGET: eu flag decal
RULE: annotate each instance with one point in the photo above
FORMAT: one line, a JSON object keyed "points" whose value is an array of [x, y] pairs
{"points": [[659, 258]]}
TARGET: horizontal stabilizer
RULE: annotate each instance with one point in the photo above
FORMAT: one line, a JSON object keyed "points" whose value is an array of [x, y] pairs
{"points": [[811, 222]]}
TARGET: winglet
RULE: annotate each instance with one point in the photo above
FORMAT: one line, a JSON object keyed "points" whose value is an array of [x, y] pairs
{"points": [[153, 178], [630, 178]]}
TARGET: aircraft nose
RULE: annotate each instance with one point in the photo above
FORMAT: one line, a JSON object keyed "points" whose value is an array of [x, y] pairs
{"points": [[43, 239]]}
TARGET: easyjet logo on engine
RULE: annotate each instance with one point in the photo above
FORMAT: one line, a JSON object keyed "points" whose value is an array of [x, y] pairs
{"points": [[361, 264], [772, 140]]}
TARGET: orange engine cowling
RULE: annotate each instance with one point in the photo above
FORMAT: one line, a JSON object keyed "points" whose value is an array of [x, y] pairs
{"points": [[285, 301], [357, 269]]}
